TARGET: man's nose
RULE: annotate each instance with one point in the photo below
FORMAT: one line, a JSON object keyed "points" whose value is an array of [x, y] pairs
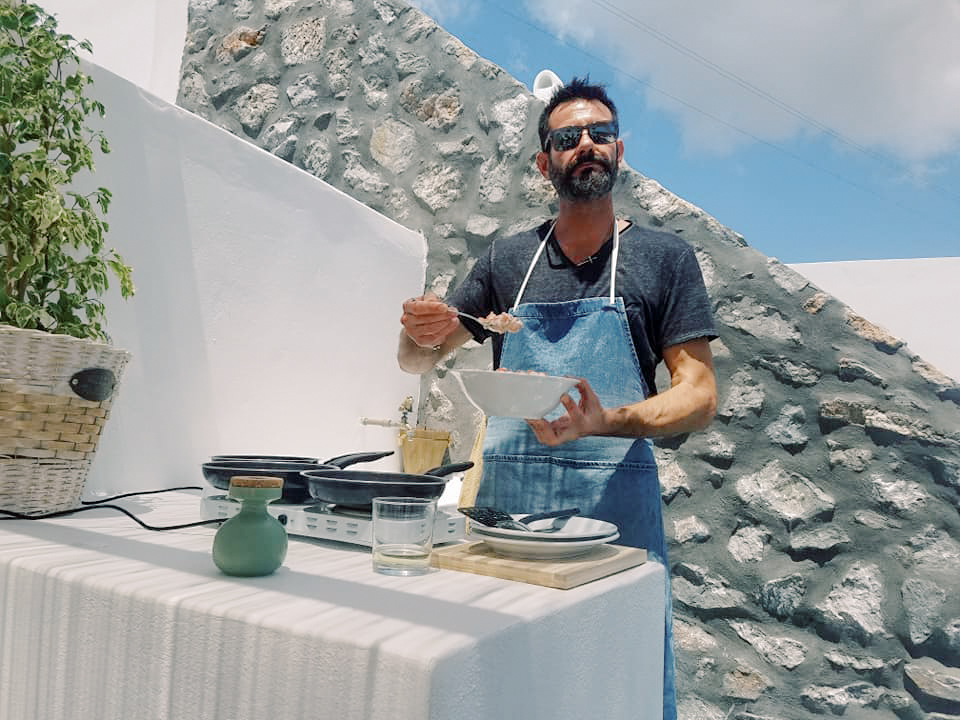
{"points": [[585, 138]]}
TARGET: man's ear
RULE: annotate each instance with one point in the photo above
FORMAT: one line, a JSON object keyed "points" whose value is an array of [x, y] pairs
{"points": [[542, 162], [619, 152]]}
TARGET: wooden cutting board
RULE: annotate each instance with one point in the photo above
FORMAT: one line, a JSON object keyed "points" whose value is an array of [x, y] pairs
{"points": [[479, 558]]}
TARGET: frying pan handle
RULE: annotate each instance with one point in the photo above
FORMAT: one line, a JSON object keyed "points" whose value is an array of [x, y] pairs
{"points": [[445, 470], [342, 461]]}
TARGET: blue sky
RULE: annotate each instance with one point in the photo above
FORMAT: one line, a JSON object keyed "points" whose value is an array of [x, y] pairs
{"points": [[820, 130]]}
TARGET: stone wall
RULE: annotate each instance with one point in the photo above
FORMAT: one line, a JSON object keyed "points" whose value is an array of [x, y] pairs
{"points": [[815, 537]]}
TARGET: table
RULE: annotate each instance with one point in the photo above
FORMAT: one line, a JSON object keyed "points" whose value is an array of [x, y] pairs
{"points": [[102, 619]]}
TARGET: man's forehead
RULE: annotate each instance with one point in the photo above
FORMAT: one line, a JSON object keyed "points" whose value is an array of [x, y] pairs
{"points": [[576, 110]]}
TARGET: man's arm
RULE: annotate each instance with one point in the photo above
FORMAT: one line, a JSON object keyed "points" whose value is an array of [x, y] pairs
{"points": [[690, 403], [430, 332]]}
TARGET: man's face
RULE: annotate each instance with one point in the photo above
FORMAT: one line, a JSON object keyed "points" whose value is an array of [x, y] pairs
{"points": [[588, 170]]}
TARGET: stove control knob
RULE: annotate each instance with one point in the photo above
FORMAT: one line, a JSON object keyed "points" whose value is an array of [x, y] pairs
{"points": [[282, 519]]}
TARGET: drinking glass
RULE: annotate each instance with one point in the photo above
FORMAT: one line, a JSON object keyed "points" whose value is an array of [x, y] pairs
{"points": [[402, 535]]}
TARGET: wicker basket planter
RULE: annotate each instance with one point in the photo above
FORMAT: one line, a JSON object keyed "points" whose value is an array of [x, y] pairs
{"points": [[55, 396]]}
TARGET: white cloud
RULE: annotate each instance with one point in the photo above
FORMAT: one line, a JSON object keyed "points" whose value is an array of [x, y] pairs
{"points": [[883, 74]]}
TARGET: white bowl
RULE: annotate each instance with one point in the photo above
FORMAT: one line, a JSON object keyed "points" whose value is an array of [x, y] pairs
{"points": [[576, 529], [534, 550], [513, 394]]}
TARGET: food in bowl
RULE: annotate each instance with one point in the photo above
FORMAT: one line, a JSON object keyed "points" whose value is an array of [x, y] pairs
{"points": [[514, 394]]}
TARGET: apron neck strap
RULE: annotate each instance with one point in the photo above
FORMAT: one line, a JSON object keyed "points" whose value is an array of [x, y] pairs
{"points": [[536, 256], [613, 260]]}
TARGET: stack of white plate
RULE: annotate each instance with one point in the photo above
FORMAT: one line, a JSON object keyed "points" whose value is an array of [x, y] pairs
{"points": [[578, 536]]}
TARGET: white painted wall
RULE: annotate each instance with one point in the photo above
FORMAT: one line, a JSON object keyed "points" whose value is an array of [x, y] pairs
{"points": [[140, 40], [267, 305], [916, 300]]}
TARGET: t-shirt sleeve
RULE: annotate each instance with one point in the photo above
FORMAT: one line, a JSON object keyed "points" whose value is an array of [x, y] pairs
{"points": [[688, 312], [473, 295]]}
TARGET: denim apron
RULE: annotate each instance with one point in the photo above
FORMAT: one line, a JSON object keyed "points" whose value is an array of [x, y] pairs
{"points": [[608, 478]]}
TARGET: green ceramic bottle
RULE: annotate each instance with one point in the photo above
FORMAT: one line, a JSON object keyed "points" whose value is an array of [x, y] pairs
{"points": [[252, 542]]}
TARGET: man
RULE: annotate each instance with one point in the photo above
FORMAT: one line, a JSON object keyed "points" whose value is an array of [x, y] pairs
{"points": [[602, 300]]}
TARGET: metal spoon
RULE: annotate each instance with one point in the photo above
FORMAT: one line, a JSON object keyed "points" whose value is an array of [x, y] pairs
{"points": [[489, 325], [560, 518], [485, 324], [494, 517]]}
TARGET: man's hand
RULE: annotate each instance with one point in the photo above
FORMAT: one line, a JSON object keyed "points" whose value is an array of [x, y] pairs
{"points": [[584, 418], [428, 321], [689, 404]]}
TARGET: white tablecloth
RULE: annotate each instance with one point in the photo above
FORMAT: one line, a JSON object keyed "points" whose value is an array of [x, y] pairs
{"points": [[101, 619]]}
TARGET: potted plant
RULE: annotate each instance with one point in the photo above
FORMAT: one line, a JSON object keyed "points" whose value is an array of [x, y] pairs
{"points": [[57, 370]]}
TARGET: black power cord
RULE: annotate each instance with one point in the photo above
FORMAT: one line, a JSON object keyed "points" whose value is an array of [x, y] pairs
{"points": [[99, 504]]}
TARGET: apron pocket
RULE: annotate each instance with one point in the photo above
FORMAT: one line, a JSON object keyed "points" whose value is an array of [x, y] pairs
{"points": [[621, 493]]}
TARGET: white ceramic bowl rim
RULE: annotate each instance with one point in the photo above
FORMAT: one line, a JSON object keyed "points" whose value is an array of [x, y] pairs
{"points": [[514, 394]]}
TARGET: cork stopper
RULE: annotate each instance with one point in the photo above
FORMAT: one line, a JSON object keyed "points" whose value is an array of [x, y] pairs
{"points": [[251, 481]]}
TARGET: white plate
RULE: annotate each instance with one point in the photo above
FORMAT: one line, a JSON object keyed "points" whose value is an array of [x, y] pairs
{"points": [[513, 394], [540, 550], [577, 529]]}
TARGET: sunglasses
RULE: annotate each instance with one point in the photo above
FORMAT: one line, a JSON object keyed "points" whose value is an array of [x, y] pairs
{"points": [[567, 138]]}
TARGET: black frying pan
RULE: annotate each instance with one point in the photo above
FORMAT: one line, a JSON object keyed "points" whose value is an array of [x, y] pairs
{"points": [[270, 458], [338, 461], [218, 472], [358, 488]]}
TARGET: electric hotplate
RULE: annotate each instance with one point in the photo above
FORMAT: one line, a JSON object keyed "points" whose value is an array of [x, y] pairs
{"points": [[327, 522]]}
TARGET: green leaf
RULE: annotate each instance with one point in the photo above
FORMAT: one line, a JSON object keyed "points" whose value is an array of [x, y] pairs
{"points": [[52, 238]]}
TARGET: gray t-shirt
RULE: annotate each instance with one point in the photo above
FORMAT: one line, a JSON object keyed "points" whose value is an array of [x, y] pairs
{"points": [[658, 278]]}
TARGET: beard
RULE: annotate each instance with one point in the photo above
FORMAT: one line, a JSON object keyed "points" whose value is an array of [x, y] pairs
{"points": [[591, 184]]}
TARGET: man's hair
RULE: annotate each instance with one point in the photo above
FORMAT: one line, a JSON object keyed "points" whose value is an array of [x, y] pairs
{"points": [[576, 89]]}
